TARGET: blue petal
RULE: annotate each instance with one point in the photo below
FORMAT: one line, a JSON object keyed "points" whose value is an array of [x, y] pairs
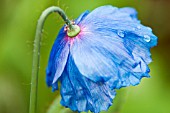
{"points": [[130, 11], [81, 94], [81, 17], [113, 47], [57, 60], [58, 56], [91, 60], [112, 13]]}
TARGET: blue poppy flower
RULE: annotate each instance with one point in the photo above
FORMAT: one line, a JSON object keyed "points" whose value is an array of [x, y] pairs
{"points": [[111, 51]]}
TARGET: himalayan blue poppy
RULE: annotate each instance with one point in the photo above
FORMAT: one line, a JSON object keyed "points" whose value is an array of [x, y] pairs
{"points": [[112, 50]]}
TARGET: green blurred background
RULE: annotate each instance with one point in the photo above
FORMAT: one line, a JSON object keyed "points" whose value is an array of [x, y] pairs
{"points": [[18, 20]]}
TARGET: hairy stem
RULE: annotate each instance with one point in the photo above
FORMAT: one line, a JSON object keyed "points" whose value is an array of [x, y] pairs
{"points": [[36, 53]]}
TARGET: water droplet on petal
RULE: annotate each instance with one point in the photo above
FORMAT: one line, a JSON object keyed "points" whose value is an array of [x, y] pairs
{"points": [[139, 27], [147, 38], [121, 33]]}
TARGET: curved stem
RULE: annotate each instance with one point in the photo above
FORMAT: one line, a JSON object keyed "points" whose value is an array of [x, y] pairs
{"points": [[36, 53]]}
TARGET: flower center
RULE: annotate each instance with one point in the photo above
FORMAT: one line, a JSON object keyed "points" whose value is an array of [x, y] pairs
{"points": [[74, 31]]}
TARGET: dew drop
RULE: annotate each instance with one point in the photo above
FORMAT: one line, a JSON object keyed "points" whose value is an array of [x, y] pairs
{"points": [[147, 38], [121, 33]]}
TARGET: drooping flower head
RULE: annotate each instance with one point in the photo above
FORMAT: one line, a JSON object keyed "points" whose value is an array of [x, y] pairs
{"points": [[112, 50]]}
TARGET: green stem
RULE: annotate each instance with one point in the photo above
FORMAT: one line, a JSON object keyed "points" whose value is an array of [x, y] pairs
{"points": [[36, 53]]}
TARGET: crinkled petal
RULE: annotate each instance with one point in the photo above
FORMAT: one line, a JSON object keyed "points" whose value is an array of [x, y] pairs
{"points": [[110, 12], [81, 94], [130, 11], [113, 47], [92, 61]]}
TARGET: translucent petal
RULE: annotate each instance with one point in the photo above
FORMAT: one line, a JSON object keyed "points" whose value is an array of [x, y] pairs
{"points": [[112, 47], [81, 94], [109, 12], [57, 60]]}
